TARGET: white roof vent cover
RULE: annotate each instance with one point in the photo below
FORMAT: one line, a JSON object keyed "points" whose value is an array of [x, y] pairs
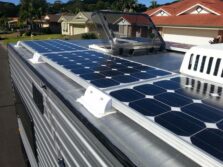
{"points": [[204, 62]]}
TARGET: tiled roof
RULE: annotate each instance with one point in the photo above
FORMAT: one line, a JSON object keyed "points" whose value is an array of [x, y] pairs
{"points": [[54, 17], [135, 19], [214, 19], [204, 20]]}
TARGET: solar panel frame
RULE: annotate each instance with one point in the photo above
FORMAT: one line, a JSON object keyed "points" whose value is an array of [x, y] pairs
{"points": [[178, 142]]}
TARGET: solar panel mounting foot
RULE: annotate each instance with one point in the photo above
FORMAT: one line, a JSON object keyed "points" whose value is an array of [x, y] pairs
{"points": [[36, 58], [18, 44], [96, 102]]}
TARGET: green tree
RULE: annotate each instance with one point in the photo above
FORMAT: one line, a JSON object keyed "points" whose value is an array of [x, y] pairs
{"points": [[8, 9], [3, 23], [32, 9], [56, 7], [153, 4], [124, 5]]}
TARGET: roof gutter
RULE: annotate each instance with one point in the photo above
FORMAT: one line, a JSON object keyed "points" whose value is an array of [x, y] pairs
{"points": [[191, 27]]}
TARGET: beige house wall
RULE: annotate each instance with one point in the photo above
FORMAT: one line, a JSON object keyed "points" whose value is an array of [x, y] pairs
{"points": [[75, 29], [65, 28], [189, 36], [78, 29]]}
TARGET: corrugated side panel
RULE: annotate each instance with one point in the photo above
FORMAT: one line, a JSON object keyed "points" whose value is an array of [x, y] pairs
{"points": [[58, 133]]}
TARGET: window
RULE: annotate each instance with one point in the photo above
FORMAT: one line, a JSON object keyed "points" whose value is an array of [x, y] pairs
{"points": [[65, 27], [199, 9], [38, 99]]}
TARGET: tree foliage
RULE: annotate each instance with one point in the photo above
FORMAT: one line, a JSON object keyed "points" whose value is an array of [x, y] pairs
{"points": [[31, 10], [75, 6], [8, 9], [3, 23]]}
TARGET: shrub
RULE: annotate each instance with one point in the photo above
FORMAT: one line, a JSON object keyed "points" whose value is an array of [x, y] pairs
{"points": [[89, 36]]}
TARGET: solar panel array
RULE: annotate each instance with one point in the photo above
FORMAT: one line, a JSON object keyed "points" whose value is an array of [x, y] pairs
{"points": [[102, 70], [189, 108], [52, 46], [183, 106]]}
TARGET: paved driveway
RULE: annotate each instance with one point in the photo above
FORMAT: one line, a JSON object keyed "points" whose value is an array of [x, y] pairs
{"points": [[10, 146]]}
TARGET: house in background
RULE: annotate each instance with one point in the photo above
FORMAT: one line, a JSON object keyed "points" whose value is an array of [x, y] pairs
{"points": [[13, 23], [132, 26], [193, 22], [76, 24], [51, 22]]}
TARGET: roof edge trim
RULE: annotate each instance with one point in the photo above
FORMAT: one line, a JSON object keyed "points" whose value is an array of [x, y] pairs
{"points": [[160, 10], [198, 4]]}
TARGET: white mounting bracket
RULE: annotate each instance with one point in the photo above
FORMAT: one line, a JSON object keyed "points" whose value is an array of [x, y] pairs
{"points": [[18, 44], [96, 102], [36, 58], [100, 48]]}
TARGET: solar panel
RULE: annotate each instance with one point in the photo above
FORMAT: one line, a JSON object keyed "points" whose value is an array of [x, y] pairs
{"points": [[102, 70], [52, 46], [182, 105]]}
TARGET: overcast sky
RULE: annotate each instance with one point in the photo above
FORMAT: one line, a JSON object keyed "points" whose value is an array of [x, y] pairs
{"points": [[147, 2]]}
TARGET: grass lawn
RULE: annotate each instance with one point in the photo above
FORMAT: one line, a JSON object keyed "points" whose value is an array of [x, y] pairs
{"points": [[13, 39]]}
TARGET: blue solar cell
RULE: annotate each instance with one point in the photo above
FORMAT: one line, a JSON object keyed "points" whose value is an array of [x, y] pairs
{"points": [[111, 73], [117, 60], [158, 72], [72, 66], [143, 75], [220, 125], [91, 65], [92, 76], [81, 71], [144, 68], [149, 107], [173, 99], [100, 68], [63, 61], [104, 83], [125, 79], [130, 64], [203, 112], [168, 84], [127, 95], [180, 123], [52, 46], [210, 140], [149, 89], [128, 70], [115, 66]]}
